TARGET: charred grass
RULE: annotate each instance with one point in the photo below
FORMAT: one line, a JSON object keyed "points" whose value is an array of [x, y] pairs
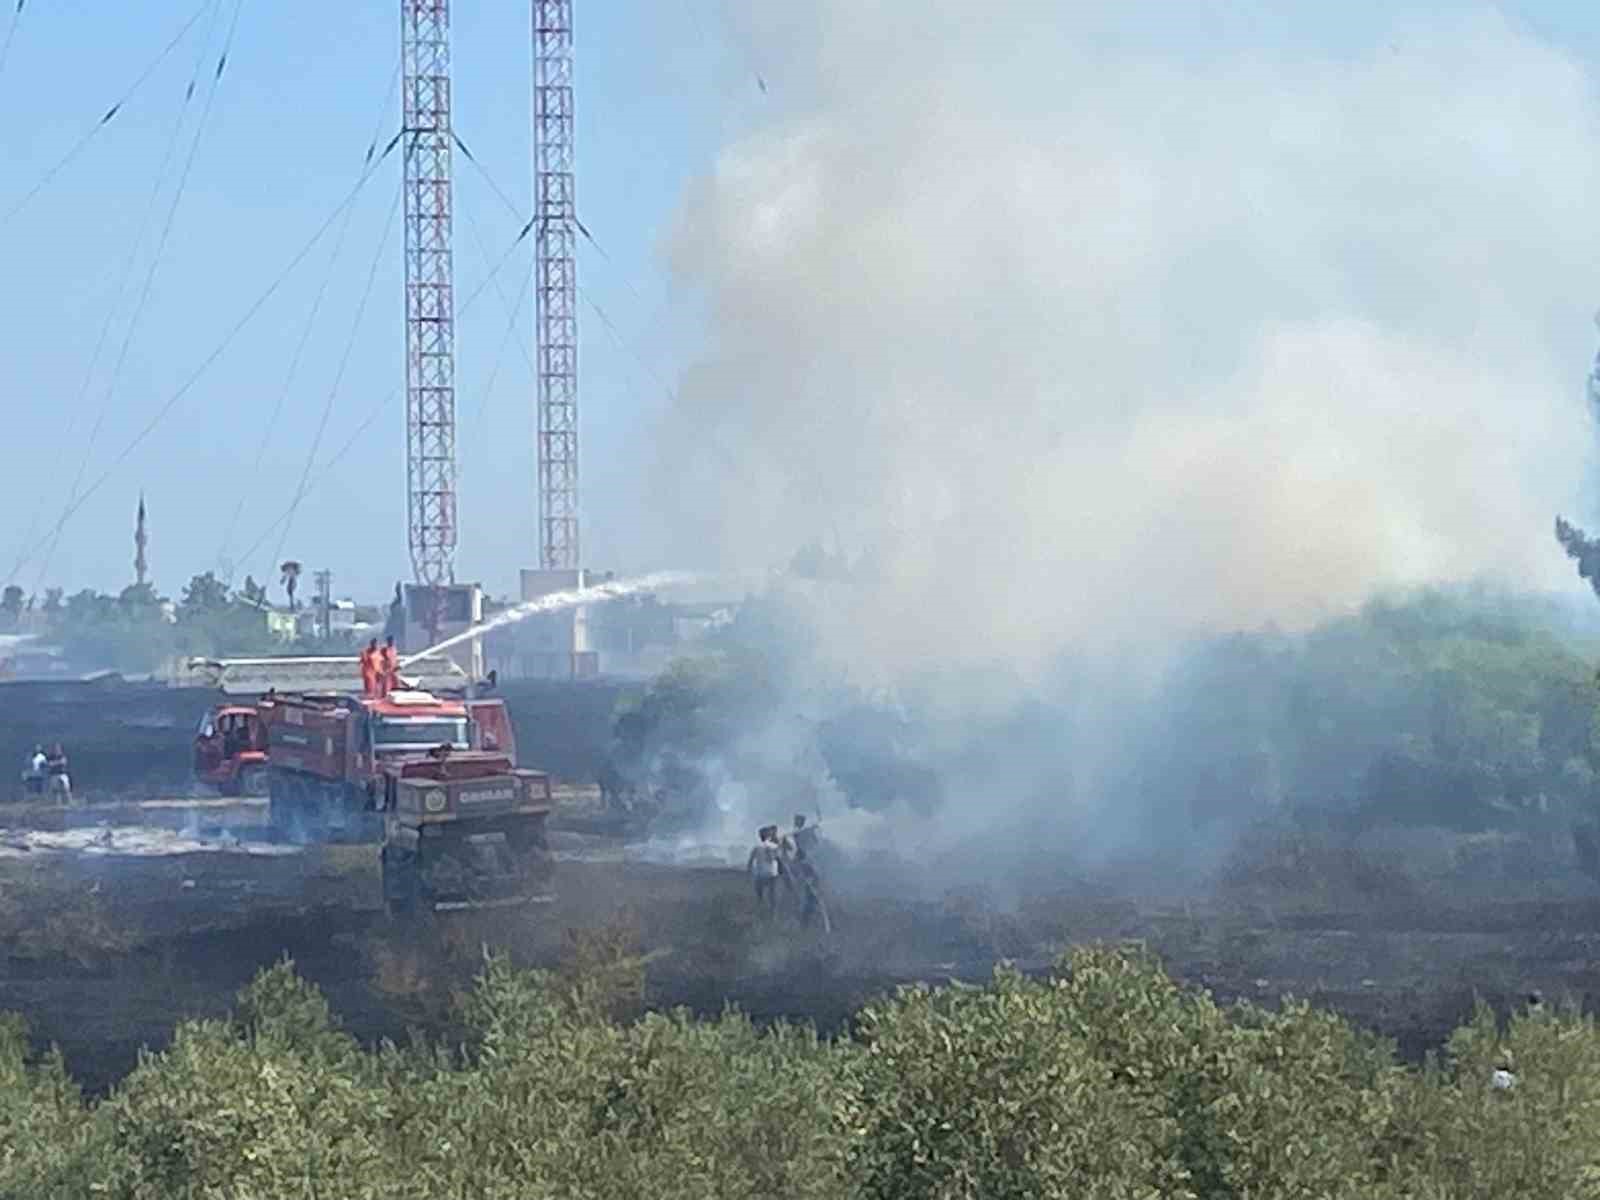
{"points": [[107, 957]]}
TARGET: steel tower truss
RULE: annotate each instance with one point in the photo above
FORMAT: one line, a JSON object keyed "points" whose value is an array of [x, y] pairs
{"points": [[556, 284], [430, 303]]}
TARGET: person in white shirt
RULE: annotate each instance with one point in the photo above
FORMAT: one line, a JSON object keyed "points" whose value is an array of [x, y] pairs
{"points": [[763, 867], [34, 777]]}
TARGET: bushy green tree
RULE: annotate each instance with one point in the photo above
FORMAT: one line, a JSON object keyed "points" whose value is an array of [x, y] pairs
{"points": [[45, 1134], [1104, 1079], [1457, 1135], [1448, 708], [995, 1092], [126, 632], [204, 593]]}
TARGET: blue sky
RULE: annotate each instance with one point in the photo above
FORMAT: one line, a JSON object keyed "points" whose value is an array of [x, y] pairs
{"points": [[664, 87], [301, 97]]}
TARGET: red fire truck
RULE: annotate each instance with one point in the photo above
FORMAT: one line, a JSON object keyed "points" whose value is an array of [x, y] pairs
{"points": [[431, 775]]}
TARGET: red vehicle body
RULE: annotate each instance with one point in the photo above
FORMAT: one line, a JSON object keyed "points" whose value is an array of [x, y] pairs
{"points": [[230, 750], [332, 760], [433, 778], [431, 775]]}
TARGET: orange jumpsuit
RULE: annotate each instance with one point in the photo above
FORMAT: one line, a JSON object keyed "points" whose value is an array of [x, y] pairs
{"points": [[389, 670], [369, 672]]}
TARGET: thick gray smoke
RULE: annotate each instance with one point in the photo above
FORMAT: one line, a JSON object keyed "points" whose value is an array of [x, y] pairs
{"points": [[1078, 337]]}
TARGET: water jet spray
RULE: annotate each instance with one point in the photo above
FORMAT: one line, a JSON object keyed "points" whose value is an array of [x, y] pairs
{"points": [[617, 589]]}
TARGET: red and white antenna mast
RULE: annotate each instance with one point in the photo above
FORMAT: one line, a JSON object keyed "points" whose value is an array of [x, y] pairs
{"points": [[430, 302], [556, 284]]}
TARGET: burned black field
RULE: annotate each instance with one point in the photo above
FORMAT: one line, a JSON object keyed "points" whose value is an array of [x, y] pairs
{"points": [[106, 948]]}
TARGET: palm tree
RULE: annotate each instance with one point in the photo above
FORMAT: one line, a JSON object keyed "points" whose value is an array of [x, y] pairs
{"points": [[291, 576]]}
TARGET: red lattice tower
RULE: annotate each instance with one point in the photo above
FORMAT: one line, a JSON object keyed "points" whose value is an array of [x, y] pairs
{"points": [[430, 303], [556, 284]]}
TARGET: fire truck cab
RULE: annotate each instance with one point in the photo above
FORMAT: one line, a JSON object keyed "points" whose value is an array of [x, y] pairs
{"points": [[230, 751]]}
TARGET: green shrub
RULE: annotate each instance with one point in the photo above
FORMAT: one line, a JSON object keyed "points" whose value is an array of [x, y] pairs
{"points": [[276, 1102], [1538, 1140], [997, 1092], [1105, 1080], [44, 1130]]}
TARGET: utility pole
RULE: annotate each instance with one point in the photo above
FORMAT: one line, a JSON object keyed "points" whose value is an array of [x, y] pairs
{"points": [[430, 302], [324, 582], [556, 284]]}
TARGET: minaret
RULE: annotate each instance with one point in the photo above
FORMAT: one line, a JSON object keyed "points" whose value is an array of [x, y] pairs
{"points": [[139, 540]]}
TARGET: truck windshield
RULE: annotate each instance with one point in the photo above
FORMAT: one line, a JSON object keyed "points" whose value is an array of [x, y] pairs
{"points": [[423, 733]]}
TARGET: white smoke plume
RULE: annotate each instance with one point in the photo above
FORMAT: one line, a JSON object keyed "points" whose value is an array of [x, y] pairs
{"points": [[1089, 336]]}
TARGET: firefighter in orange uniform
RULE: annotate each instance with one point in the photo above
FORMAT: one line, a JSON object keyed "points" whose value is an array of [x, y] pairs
{"points": [[370, 669], [389, 667]]}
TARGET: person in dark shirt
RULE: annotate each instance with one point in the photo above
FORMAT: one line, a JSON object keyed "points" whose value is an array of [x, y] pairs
{"points": [[800, 869], [55, 766]]}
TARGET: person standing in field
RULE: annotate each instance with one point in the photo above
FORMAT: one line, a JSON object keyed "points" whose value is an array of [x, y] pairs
{"points": [[804, 837], [799, 848], [763, 867], [60, 781], [33, 777]]}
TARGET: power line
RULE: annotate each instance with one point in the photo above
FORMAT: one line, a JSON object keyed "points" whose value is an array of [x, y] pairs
{"points": [[511, 207], [338, 378], [513, 314], [609, 325], [110, 113], [211, 359], [505, 339], [626, 346], [487, 178], [483, 250], [11, 32], [392, 395], [155, 264], [744, 49], [748, 54], [116, 303], [383, 403], [305, 331], [605, 320]]}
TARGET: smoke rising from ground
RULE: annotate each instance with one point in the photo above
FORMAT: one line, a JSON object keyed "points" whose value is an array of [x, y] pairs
{"points": [[1079, 338]]}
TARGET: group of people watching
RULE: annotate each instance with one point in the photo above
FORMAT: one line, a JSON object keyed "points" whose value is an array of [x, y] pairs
{"points": [[47, 772], [788, 860], [380, 668]]}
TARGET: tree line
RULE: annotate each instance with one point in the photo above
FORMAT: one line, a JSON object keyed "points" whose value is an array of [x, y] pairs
{"points": [[1459, 708], [137, 630]]}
